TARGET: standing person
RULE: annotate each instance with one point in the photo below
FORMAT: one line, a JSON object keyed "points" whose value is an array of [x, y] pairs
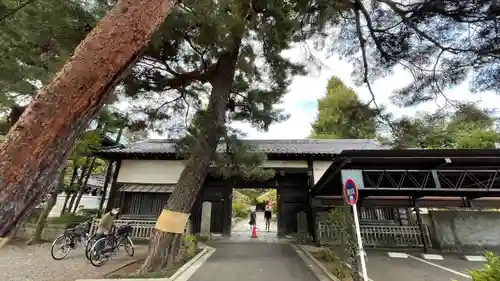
{"points": [[267, 216], [105, 225], [253, 217], [106, 222]]}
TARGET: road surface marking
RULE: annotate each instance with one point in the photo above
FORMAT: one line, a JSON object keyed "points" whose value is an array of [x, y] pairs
{"points": [[442, 267], [432, 257], [475, 258], [397, 255]]}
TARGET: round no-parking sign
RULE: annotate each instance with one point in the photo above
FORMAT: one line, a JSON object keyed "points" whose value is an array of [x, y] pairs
{"points": [[350, 192]]}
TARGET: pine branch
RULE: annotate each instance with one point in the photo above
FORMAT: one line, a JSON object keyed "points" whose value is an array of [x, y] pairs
{"points": [[19, 8]]}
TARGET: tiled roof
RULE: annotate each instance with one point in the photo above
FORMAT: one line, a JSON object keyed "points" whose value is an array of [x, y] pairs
{"points": [[303, 146]]}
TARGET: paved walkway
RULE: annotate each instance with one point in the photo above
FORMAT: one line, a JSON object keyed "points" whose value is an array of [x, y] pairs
{"points": [[241, 230], [254, 262], [34, 263]]}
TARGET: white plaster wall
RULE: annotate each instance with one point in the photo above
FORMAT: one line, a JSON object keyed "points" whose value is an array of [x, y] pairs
{"points": [[150, 171], [88, 202], [319, 168], [169, 171], [284, 164]]}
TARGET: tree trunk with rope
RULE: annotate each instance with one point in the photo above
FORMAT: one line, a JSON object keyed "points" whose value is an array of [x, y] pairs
{"points": [[165, 246]]}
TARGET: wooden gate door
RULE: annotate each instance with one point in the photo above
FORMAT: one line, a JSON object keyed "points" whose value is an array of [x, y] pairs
{"points": [[217, 217]]}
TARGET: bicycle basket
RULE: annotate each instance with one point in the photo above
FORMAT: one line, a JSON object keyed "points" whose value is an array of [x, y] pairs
{"points": [[124, 229]]}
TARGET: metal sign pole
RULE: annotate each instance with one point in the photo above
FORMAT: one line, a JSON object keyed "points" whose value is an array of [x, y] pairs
{"points": [[360, 243]]}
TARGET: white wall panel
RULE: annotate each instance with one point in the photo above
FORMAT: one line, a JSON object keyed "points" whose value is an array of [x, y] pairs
{"points": [[169, 171], [150, 171], [319, 168]]}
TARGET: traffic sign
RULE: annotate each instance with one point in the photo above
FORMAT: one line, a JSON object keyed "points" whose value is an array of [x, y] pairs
{"points": [[351, 192]]}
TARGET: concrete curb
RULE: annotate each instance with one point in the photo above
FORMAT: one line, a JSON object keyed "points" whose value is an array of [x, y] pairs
{"points": [[190, 263], [196, 263], [324, 272], [120, 267], [176, 276]]}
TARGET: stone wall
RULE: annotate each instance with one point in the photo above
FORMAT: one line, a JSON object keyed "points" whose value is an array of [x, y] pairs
{"points": [[464, 230]]}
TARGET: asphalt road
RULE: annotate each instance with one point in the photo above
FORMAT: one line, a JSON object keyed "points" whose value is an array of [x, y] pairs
{"points": [[383, 268], [254, 262]]}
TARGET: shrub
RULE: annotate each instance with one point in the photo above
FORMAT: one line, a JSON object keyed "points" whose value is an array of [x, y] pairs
{"points": [[490, 270], [240, 210], [92, 213], [68, 218], [190, 246]]}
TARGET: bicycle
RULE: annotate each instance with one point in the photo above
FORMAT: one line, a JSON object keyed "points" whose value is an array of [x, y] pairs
{"points": [[107, 246], [69, 240]]}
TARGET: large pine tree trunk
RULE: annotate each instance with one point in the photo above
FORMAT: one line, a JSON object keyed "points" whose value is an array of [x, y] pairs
{"points": [[45, 134], [42, 219], [164, 246]]}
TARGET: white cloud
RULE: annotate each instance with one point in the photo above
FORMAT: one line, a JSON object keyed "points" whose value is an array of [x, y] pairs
{"points": [[300, 102]]}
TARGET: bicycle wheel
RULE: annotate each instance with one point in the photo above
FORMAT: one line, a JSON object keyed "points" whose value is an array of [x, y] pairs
{"points": [[128, 245], [97, 256], [61, 246], [90, 243]]}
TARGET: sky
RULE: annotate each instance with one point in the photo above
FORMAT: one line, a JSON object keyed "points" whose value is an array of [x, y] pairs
{"points": [[301, 100]]}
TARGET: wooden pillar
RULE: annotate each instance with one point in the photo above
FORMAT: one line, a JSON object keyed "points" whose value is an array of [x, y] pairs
{"points": [[421, 226], [195, 216], [227, 205], [311, 213], [279, 213], [113, 192]]}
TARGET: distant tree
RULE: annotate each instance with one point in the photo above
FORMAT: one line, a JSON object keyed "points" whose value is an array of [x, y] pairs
{"points": [[467, 127], [341, 115]]}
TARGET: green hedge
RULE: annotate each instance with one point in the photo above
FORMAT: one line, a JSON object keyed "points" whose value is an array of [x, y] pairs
{"points": [[490, 270], [240, 210], [68, 218], [92, 213]]}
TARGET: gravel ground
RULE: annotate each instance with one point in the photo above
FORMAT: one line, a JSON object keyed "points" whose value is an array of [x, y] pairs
{"points": [[34, 263]]}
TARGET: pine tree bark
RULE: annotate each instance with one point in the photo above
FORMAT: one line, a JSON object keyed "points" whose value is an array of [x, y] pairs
{"points": [[164, 246], [39, 143]]}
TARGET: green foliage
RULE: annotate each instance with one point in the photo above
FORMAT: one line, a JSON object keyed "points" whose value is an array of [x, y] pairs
{"points": [[341, 115], [238, 196], [490, 270], [90, 213], [467, 127], [189, 247], [240, 210], [347, 249], [234, 158], [442, 44], [271, 194], [35, 41], [68, 218]]}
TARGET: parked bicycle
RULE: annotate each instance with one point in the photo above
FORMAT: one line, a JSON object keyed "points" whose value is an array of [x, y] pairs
{"points": [[109, 245], [64, 243]]}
